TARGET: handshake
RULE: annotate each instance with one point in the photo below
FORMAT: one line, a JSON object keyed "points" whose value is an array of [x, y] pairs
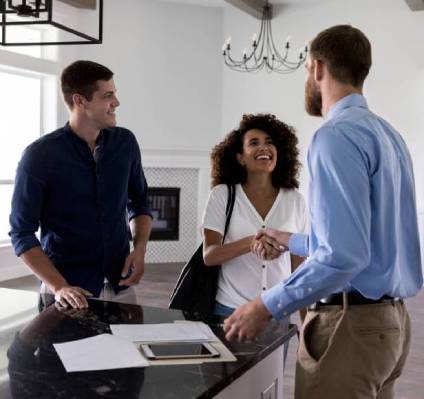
{"points": [[269, 244]]}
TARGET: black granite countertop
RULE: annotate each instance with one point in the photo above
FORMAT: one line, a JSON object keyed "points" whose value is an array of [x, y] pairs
{"points": [[30, 367]]}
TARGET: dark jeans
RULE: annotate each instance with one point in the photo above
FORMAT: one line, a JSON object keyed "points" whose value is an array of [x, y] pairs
{"points": [[222, 310]]}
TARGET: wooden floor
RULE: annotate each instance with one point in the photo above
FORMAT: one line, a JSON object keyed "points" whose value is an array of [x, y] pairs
{"points": [[159, 279]]}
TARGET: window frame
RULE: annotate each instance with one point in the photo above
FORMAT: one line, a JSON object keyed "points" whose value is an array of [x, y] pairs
{"points": [[48, 95]]}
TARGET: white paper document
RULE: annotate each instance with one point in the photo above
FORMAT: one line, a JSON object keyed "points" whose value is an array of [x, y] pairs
{"points": [[102, 352], [165, 332]]}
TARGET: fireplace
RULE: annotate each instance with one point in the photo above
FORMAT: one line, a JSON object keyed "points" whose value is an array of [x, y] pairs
{"points": [[165, 205], [179, 245]]}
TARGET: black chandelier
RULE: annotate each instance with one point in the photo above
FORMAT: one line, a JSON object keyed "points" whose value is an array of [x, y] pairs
{"points": [[264, 52], [47, 14]]}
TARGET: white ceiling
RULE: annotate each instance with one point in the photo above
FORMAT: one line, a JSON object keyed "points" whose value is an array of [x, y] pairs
{"points": [[213, 3], [221, 3]]}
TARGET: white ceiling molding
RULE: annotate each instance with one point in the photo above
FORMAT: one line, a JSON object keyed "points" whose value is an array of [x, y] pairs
{"points": [[252, 7], [415, 5]]}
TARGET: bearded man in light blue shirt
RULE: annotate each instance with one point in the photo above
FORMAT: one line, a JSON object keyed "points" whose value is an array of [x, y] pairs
{"points": [[363, 248]]}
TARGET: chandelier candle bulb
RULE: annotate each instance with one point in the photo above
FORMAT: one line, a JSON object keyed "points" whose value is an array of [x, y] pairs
{"points": [[288, 42]]}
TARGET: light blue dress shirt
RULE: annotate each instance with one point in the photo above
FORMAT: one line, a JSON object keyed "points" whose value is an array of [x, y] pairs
{"points": [[364, 229]]}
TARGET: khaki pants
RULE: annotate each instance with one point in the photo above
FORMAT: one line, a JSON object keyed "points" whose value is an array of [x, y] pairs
{"points": [[352, 353]]}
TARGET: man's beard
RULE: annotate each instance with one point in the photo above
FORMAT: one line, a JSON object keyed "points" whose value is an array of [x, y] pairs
{"points": [[313, 98]]}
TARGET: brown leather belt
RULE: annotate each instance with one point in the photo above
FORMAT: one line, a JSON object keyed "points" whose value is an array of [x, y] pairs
{"points": [[353, 298]]}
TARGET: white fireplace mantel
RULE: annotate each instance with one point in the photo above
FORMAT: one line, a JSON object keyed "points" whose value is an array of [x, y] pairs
{"points": [[175, 157]]}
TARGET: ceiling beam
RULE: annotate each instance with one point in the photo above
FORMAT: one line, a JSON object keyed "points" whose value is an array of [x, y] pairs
{"points": [[415, 5], [252, 7], [87, 4]]}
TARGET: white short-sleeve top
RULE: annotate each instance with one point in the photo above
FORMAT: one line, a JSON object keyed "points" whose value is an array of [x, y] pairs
{"points": [[244, 277]]}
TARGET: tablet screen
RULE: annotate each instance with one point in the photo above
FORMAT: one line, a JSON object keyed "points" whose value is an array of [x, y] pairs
{"points": [[181, 350]]}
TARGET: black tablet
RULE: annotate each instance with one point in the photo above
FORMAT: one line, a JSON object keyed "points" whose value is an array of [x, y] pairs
{"points": [[181, 350]]}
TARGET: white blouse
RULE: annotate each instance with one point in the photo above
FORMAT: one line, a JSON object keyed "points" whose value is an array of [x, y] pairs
{"points": [[244, 277]]}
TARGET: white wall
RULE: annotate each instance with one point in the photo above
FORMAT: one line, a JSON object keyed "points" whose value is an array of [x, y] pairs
{"points": [[166, 70]]}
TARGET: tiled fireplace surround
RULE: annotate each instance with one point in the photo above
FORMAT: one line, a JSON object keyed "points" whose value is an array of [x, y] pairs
{"points": [[189, 170]]}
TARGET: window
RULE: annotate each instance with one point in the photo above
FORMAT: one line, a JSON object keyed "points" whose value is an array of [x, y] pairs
{"points": [[20, 124], [25, 34], [30, 34]]}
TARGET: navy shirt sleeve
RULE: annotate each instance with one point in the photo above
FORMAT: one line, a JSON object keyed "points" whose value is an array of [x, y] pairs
{"points": [[137, 186], [27, 202]]}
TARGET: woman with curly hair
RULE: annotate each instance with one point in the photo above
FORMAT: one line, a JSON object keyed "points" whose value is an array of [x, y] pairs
{"points": [[261, 159]]}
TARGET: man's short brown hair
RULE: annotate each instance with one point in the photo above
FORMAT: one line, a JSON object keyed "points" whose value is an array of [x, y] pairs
{"points": [[81, 78], [345, 51]]}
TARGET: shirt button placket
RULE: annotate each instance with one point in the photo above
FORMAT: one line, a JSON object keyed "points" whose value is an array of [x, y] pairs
{"points": [[263, 270]]}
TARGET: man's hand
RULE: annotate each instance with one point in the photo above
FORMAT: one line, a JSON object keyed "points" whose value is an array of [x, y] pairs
{"points": [[276, 238], [72, 296], [134, 267], [72, 313], [247, 321], [264, 250]]}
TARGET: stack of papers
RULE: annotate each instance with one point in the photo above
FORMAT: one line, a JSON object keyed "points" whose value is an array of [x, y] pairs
{"points": [[165, 332], [102, 352]]}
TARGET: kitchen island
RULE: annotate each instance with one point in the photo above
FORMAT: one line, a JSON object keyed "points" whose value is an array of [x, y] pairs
{"points": [[30, 367]]}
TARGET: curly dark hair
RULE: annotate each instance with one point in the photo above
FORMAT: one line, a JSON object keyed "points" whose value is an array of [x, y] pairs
{"points": [[227, 170]]}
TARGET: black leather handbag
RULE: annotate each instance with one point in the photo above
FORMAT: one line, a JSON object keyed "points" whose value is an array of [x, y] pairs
{"points": [[196, 286]]}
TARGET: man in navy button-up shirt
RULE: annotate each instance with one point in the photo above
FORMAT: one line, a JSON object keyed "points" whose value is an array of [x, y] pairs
{"points": [[81, 185]]}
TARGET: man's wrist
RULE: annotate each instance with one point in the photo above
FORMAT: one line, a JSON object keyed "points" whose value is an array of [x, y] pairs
{"points": [[262, 308], [285, 239], [140, 248], [57, 287]]}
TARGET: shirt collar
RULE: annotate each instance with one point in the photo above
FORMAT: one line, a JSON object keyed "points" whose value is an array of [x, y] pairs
{"points": [[68, 130], [352, 100]]}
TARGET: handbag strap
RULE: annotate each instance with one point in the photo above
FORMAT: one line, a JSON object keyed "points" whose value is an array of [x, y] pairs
{"points": [[229, 209]]}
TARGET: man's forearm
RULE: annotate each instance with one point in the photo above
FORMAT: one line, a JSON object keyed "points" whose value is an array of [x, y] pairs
{"points": [[140, 229], [41, 265]]}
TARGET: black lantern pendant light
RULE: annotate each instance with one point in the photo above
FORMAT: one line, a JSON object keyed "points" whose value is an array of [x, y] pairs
{"points": [[49, 14]]}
